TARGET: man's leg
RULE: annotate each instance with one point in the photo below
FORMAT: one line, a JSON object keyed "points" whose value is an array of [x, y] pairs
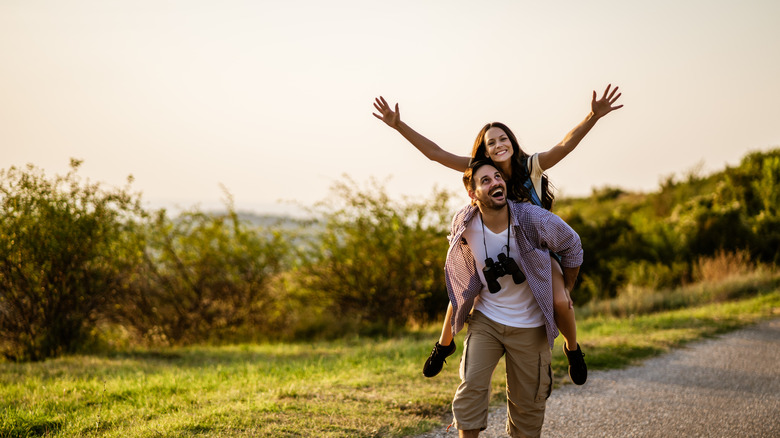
{"points": [[481, 353], [529, 380]]}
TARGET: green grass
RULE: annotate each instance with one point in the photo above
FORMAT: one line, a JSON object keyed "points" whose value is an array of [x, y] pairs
{"points": [[350, 388]]}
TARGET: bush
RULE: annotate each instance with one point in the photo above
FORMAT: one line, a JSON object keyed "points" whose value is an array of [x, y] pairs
{"points": [[378, 263], [62, 261], [204, 278], [610, 245]]}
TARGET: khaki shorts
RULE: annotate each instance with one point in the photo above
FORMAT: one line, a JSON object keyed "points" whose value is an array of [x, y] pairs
{"points": [[528, 376]]}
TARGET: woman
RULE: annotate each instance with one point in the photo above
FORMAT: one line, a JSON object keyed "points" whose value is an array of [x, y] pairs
{"points": [[525, 182]]}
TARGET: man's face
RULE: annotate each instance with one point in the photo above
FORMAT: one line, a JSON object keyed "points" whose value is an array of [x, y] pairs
{"points": [[489, 188]]}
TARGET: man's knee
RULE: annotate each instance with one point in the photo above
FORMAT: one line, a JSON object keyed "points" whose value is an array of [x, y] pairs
{"points": [[470, 410]]}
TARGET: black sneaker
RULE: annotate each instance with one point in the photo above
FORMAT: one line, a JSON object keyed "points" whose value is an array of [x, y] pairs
{"points": [[578, 371], [437, 358]]}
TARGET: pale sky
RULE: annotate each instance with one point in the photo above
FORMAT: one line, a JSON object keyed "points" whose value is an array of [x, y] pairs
{"points": [[273, 99]]}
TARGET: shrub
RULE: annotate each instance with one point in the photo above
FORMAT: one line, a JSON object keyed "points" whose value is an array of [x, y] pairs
{"points": [[204, 278], [62, 260], [378, 263]]}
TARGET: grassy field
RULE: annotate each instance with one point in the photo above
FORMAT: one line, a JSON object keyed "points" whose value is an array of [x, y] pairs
{"points": [[350, 388]]}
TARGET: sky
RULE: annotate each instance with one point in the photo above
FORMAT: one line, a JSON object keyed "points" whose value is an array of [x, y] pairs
{"points": [[272, 101]]}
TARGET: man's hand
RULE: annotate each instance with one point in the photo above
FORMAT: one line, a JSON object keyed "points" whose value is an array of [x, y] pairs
{"points": [[568, 297], [390, 117], [604, 106], [569, 280]]}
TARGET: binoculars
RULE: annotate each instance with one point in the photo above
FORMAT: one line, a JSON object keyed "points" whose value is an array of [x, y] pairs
{"points": [[493, 271]]}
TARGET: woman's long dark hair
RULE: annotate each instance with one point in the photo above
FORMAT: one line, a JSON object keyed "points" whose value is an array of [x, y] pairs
{"points": [[515, 182]]}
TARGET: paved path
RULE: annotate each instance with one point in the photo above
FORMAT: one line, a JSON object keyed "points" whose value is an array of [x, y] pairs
{"points": [[727, 386]]}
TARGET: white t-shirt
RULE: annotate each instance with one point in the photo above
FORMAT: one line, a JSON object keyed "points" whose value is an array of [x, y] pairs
{"points": [[514, 304]]}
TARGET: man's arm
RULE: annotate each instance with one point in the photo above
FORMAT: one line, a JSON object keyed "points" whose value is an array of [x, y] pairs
{"points": [[569, 247], [545, 230], [570, 277], [557, 236]]}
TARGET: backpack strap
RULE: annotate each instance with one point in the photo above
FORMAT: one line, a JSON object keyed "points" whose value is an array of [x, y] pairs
{"points": [[529, 185]]}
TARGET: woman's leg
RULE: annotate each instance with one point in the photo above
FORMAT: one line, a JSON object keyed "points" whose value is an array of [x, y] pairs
{"points": [[446, 329], [564, 311], [564, 319], [442, 349]]}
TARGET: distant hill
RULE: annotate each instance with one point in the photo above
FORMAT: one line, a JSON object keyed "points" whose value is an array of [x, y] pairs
{"points": [[268, 220]]}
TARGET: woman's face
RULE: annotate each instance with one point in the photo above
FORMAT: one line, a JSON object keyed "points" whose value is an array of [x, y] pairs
{"points": [[497, 145]]}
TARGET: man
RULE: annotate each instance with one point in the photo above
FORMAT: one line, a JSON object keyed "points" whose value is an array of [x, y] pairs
{"points": [[498, 265]]}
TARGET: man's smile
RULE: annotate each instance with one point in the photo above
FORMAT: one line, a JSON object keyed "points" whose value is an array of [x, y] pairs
{"points": [[497, 193]]}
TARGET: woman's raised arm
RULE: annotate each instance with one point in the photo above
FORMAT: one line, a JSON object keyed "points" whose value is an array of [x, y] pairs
{"points": [[598, 109], [427, 147]]}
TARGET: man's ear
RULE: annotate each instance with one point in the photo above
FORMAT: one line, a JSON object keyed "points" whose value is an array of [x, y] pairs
{"points": [[473, 197]]}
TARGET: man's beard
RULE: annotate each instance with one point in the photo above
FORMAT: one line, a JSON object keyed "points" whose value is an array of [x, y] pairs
{"points": [[491, 203]]}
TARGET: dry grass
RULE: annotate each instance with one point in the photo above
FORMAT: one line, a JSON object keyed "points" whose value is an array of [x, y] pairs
{"points": [[726, 276], [722, 265]]}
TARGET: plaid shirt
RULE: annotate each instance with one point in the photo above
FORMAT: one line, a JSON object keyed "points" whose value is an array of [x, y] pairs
{"points": [[537, 231]]}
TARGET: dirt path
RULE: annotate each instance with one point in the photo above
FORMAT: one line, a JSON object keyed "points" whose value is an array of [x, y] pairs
{"points": [[727, 386]]}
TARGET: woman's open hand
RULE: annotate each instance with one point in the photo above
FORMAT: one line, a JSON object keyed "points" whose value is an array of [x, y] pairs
{"points": [[606, 104], [387, 115]]}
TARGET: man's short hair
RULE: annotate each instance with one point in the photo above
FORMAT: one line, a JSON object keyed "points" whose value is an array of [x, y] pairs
{"points": [[468, 175]]}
